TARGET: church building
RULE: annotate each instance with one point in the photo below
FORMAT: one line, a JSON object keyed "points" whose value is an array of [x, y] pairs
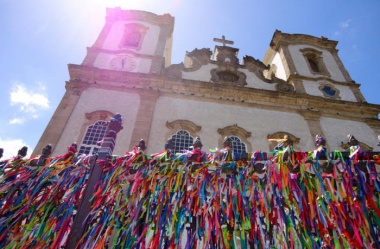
{"points": [[299, 89]]}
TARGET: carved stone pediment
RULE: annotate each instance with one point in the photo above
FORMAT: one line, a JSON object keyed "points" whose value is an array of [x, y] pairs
{"points": [[227, 56], [234, 130], [174, 71], [183, 124], [228, 77], [200, 56], [251, 63], [284, 87]]}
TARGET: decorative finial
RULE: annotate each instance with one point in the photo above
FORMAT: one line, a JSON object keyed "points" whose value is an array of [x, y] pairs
{"points": [[22, 152], [197, 144], [352, 141], [169, 145], [227, 142], [319, 141], [196, 155], [115, 123], [47, 150], [73, 148], [141, 146]]}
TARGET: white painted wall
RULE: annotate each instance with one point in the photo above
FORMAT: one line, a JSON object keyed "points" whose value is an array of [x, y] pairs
{"points": [[93, 99], [254, 82], [212, 116], [311, 87], [280, 71], [336, 131], [202, 74]]}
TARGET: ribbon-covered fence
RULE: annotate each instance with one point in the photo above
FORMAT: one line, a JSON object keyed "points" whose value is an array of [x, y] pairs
{"points": [[267, 201]]}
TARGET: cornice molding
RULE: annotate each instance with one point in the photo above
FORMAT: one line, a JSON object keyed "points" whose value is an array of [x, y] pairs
{"points": [[293, 77], [280, 39], [129, 51], [374, 123], [114, 14], [208, 91]]}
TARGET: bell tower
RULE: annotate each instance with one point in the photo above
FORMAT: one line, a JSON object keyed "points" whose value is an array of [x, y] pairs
{"points": [[312, 65], [133, 41]]}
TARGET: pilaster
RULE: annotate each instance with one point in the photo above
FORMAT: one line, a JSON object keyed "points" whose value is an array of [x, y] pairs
{"points": [[356, 91], [144, 118], [312, 119], [374, 124], [59, 120], [287, 60], [298, 85]]}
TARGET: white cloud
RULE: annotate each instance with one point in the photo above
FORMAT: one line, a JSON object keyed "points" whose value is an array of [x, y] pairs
{"points": [[17, 121], [29, 101], [345, 24], [11, 147]]}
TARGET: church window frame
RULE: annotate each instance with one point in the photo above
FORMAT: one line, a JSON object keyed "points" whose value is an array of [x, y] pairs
{"points": [[329, 90], [281, 135], [182, 140], [234, 131], [92, 131], [133, 36], [314, 61], [182, 126], [237, 145]]}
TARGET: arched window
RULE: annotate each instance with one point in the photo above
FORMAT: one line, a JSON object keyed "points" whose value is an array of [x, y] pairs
{"points": [[182, 140], [133, 35], [94, 134], [314, 60], [313, 64], [93, 130], [237, 145], [239, 137], [182, 133]]}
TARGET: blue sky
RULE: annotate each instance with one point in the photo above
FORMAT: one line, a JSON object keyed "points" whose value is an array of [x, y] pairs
{"points": [[40, 37]]}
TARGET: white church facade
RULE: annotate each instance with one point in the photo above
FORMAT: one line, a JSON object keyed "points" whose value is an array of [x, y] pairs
{"points": [[300, 89]]}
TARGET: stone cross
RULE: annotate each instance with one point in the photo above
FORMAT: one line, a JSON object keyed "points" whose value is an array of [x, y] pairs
{"points": [[223, 41]]}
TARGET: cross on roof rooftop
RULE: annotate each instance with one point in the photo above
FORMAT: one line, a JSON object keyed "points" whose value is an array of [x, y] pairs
{"points": [[223, 41]]}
